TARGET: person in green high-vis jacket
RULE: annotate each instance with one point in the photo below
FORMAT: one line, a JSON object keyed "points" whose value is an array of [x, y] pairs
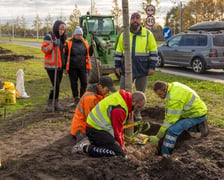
{"points": [[184, 111]]}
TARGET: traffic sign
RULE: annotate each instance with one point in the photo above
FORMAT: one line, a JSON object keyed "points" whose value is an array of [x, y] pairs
{"points": [[150, 10], [167, 33], [150, 20]]}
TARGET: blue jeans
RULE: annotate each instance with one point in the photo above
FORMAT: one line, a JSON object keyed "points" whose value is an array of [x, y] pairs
{"points": [[175, 130]]}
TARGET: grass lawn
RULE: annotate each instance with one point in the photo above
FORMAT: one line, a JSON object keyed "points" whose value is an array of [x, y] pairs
{"points": [[38, 85]]}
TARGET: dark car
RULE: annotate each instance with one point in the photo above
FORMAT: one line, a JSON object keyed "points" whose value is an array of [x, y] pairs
{"points": [[200, 50]]}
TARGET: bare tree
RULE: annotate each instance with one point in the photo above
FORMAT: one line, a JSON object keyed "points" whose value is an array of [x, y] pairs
{"points": [[116, 12], [48, 23], [73, 19], [23, 25], [37, 24]]}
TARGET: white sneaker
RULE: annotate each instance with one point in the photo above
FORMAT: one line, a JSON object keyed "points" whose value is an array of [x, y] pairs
{"points": [[78, 148]]}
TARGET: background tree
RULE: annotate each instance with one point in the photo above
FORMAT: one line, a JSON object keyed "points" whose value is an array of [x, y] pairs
{"points": [[116, 12], [49, 21], [37, 25], [61, 17], [172, 19], [195, 11], [17, 26], [73, 20], [23, 26], [94, 11], [6, 29]]}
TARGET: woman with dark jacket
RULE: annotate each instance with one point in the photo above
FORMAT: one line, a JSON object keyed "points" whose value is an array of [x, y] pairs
{"points": [[78, 62], [53, 48]]}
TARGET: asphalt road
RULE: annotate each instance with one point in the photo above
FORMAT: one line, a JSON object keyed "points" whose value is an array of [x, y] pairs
{"points": [[216, 75], [25, 43]]}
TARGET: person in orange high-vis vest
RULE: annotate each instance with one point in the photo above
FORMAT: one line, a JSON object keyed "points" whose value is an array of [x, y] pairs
{"points": [[78, 63], [53, 48], [90, 98]]}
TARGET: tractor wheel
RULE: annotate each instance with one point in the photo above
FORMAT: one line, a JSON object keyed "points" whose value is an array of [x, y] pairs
{"points": [[93, 74]]}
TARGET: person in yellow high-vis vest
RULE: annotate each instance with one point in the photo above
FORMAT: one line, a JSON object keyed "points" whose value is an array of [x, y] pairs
{"points": [[184, 111], [78, 63], [105, 122], [144, 55]]}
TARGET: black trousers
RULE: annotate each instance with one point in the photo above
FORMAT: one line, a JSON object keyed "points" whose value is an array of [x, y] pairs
{"points": [[51, 73], [103, 144], [74, 75]]}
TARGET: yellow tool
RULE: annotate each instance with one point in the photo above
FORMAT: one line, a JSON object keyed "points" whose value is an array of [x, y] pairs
{"points": [[132, 124]]}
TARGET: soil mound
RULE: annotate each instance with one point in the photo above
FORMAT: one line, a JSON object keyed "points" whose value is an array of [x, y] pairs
{"points": [[41, 149]]}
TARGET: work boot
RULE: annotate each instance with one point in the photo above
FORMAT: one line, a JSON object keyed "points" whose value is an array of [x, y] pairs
{"points": [[49, 107], [76, 101], [78, 148], [58, 106], [137, 116], [203, 128]]}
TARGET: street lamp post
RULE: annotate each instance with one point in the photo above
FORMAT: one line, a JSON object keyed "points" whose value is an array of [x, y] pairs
{"points": [[37, 20]]}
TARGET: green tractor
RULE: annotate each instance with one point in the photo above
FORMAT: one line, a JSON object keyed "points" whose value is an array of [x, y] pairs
{"points": [[101, 35]]}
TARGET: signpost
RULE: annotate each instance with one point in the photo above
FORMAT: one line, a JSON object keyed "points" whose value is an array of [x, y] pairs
{"points": [[167, 33], [150, 20], [150, 11]]}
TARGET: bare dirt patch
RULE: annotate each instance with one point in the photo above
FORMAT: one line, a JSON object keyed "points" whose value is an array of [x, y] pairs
{"points": [[38, 145], [6, 55]]}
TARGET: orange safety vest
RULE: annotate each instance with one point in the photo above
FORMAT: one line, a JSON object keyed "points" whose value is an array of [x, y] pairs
{"points": [[85, 105], [88, 63], [51, 54]]}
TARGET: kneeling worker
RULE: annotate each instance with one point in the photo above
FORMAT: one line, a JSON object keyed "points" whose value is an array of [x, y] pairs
{"points": [[90, 98], [184, 110], [105, 124]]}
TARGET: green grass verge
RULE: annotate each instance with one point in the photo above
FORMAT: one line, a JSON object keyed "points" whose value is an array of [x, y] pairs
{"points": [[38, 85]]}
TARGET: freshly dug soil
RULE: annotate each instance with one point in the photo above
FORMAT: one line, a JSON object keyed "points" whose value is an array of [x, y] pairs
{"points": [[37, 145]]}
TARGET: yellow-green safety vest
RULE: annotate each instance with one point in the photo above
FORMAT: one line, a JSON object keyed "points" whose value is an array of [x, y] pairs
{"points": [[99, 117]]}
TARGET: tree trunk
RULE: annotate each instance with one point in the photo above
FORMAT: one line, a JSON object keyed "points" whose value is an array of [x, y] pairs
{"points": [[127, 55]]}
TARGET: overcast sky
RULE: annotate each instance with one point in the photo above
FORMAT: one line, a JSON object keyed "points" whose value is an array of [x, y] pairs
{"points": [[10, 9]]}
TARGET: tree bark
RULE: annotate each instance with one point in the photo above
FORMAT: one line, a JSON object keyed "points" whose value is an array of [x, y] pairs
{"points": [[127, 55]]}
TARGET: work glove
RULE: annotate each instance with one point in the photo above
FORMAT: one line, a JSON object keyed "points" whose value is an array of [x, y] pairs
{"points": [[161, 132], [153, 139], [56, 42]]}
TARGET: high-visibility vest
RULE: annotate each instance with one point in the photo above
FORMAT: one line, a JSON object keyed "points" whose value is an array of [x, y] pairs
{"points": [[88, 62], [51, 54], [143, 49], [99, 118]]}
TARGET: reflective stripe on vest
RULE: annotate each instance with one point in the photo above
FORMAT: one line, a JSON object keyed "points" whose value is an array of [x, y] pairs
{"points": [[186, 107], [79, 105]]}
